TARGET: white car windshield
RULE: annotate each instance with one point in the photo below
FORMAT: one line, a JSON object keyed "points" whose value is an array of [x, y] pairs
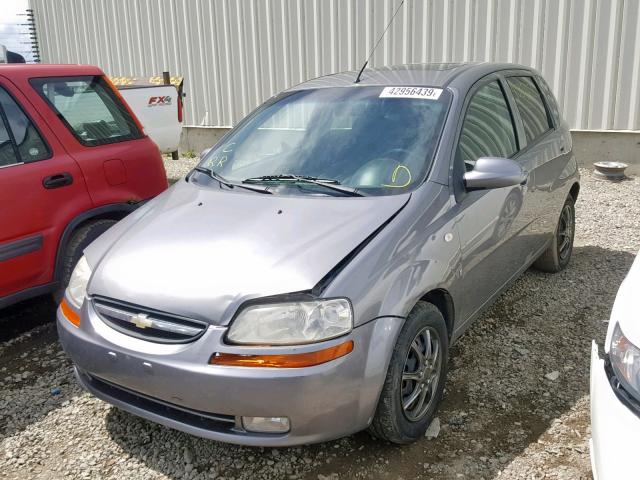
{"points": [[354, 137]]}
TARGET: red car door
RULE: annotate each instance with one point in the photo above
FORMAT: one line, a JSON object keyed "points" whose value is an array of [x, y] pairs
{"points": [[41, 189]]}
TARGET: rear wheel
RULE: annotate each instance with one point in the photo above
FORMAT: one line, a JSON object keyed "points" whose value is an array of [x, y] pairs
{"points": [[557, 256], [80, 240], [415, 379]]}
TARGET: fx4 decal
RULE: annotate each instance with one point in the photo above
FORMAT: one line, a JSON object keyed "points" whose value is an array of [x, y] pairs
{"points": [[156, 101]]}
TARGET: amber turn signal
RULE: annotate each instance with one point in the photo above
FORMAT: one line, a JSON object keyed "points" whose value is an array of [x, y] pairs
{"points": [[290, 360], [69, 313]]}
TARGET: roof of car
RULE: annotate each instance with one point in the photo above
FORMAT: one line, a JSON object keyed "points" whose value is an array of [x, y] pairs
{"points": [[438, 75], [31, 70]]}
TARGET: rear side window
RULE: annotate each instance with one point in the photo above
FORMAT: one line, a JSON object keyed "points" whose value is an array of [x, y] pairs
{"points": [[89, 108], [550, 98], [530, 105], [488, 129], [20, 141]]}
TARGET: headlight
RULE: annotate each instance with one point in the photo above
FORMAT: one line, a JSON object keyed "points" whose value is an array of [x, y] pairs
{"points": [[625, 360], [292, 323], [77, 288]]}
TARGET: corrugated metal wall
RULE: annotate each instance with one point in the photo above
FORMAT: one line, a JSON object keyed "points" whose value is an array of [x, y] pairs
{"points": [[236, 53]]}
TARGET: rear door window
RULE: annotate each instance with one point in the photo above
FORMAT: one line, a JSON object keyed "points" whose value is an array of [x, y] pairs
{"points": [[89, 108], [531, 107], [8, 154], [488, 129], [20, 141], [550, 98]]}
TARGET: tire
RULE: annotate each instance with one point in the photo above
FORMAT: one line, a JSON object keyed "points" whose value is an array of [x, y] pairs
{"points": [[80, 240], [392, 422], [557, 256]]}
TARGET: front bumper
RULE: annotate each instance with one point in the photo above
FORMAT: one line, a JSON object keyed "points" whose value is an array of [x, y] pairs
{"points": [[175, 386], [615, 429]]}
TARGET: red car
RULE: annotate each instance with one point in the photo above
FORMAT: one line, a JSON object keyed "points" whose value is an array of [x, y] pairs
{"points": [[73, 161]]}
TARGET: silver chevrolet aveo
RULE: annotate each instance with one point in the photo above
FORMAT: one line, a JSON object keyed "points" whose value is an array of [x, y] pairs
{"points": [[307, 279]]}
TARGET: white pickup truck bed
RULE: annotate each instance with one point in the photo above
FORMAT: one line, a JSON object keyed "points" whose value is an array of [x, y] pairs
{"points": [[157, 107]]}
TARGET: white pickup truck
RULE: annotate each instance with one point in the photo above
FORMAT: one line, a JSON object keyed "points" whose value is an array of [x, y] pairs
{"points": [[157, 106]]}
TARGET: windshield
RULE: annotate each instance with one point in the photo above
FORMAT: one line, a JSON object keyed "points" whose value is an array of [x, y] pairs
{"points": [[357, 137]]}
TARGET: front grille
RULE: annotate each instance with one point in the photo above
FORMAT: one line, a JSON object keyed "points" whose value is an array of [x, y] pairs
{"points": [[187, 416], [147, 324]]}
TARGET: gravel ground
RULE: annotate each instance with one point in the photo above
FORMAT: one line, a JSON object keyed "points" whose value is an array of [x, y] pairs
{"points": [[176, 169], [516, 404]]}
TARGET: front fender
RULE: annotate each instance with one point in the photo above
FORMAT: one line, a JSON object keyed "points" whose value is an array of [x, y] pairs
{"points": [[417, 251]]}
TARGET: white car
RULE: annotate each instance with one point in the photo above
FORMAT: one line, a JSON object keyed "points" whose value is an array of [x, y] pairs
{"points": [[615, 387]]}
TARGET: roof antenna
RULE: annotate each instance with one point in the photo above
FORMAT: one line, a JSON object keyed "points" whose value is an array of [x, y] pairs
{"points": [[378, 42]]}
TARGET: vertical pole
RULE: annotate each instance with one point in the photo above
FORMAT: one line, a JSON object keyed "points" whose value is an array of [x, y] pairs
{"points": [[166, 77]]}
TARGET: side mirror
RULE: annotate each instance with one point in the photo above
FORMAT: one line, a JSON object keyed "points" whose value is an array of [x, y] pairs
{"points": [[494, 172], [204, 152]]}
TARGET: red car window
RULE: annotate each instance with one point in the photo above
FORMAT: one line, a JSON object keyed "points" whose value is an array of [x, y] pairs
{"points": [[20, 141], [89, 108]]}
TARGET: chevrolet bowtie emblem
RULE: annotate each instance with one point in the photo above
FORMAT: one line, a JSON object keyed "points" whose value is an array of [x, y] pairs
{"points": [[141, 320]]}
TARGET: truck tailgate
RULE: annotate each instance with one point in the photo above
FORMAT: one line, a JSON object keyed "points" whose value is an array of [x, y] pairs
{"points": [[157, 109]]}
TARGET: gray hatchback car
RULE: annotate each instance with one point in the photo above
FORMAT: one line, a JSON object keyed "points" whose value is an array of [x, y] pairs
{"points": [[307, 279]]}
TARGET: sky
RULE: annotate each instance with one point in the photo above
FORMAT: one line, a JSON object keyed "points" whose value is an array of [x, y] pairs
{"points": [[11, 33]]}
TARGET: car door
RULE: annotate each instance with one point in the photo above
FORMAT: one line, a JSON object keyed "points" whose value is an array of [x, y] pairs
{"points": [[544, 153], [488, 222], [41, 187]]}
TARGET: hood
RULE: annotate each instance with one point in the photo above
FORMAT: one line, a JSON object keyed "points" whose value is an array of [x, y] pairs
{"points": [[201, 252], [626, 307]]}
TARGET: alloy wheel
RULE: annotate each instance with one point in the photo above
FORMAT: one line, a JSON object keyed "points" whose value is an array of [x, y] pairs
{"points": [[565, 232], [421, 374]]}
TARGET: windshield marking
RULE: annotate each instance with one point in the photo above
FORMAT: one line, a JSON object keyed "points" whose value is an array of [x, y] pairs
{"points": [[395, 174]]}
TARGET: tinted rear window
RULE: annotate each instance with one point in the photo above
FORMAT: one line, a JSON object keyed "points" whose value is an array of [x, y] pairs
{"points": [[530, 105], [89, 108], [550, 98]]}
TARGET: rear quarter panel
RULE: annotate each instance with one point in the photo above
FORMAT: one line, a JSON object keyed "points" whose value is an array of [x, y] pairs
{"points": [[123, 172]]}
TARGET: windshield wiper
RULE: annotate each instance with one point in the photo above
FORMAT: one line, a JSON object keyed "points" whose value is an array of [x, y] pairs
{"points": [[227, 183], [323, 182]]}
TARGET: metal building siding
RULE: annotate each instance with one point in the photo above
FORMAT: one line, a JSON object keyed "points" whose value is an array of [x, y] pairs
{"points": [[234, 54]]}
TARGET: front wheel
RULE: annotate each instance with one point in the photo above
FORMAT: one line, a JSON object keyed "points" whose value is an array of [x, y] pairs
{"points": [[557, 256], [415, 379]]}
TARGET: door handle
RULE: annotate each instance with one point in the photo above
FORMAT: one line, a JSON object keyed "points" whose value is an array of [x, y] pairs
{"points": [[562, 148], [58, 180]]}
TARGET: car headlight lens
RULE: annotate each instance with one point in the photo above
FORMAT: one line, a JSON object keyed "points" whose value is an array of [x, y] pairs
{"points": [[292, 323], [77, 288], [625, 360]]}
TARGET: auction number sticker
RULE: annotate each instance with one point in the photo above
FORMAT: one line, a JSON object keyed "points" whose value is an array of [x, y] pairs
{"points": [[425, 93]]}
